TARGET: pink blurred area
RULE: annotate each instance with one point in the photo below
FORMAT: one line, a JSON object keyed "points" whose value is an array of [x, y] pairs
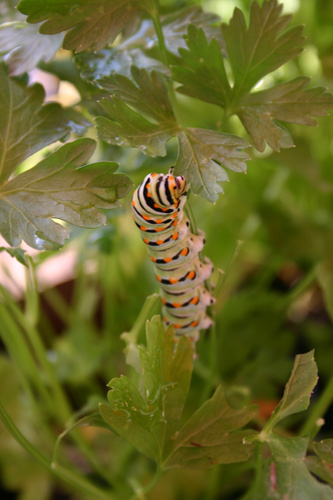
{"points": [[53, 271]]}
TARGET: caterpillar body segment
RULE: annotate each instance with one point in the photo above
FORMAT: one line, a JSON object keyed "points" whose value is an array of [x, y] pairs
{"points": [[157, 208]]}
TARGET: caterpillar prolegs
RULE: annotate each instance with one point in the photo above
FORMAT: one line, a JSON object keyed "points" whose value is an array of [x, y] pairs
{"points": [[157, 207]]}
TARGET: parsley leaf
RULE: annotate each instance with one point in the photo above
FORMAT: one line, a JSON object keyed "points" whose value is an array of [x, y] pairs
{"points": [[288, 102], [149, 417], [253, 52], [25, 47], [56, 188], [25, 126], [299, 387], [90, 24], [202, 153], [263, 46]]}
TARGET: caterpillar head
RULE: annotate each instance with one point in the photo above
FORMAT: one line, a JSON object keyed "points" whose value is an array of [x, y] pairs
{"points": [[178, 186]]}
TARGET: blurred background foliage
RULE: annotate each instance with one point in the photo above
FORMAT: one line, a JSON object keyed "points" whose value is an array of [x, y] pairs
{"points": [[272, 232]]}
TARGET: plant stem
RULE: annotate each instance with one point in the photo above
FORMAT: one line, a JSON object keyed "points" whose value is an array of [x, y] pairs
{"points": [[164, 54], [57, 401], [231, 261], [140, 492], [160, 36], [190, 216], [148, 306], [300, 287], [78, 482], [319, 409]]}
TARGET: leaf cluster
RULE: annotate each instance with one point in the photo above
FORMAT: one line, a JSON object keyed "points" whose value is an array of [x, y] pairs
{"points": [[252, 51], [56, 187], [149, 416]]}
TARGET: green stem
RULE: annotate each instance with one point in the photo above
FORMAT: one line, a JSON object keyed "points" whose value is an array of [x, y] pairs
{"points": [[190, 216], [302, 285], [231, 261], [160, 36], [212, 378], [148, 306], [57, 401], [319, 410], [78, 482], [164, 54], [258, 470], [141, 491]]}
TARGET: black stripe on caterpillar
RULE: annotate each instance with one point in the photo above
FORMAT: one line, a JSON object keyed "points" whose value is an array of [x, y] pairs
{"points": [[157, 207]]}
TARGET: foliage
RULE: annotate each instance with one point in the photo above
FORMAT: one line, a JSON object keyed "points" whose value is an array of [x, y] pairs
{"points": [[161, 84]]}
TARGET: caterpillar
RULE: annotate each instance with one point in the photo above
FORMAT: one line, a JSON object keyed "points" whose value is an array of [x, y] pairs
{"points": [[157, 207]]}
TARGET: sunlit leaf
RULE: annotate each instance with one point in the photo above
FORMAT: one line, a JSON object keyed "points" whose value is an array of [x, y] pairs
{"points": [[263, 46], [56, 188], [203, 73], [286, 102], [25, 47], [298, 390], [96, 65], [174, 27], [202, 156], [25, 126], [253, 52], [90, 24], [138, 49]]}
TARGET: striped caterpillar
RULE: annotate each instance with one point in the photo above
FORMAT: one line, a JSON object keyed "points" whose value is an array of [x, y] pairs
{"points": [[157, 207]]}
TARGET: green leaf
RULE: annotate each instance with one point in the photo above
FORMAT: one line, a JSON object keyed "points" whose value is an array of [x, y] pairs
{"points": [[55, 187], [253, 52], [231, 449], [148, 418], [288, 102], [201, 152], [207, 438], [25, 126], [25, 47], [148, 94], [18, 253], [90, 24], [203, 74], [263, 46], [166, 375], [298, 390], [319, 468], [140, 49], [175, 26], [125, 127], [324, 450], [286, 474], [94, 66]]}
